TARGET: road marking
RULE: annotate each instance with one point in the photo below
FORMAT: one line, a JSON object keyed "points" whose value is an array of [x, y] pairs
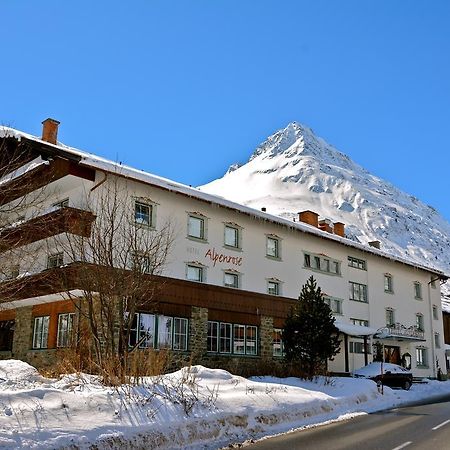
{"points": [[441, 425], [405, 444]]}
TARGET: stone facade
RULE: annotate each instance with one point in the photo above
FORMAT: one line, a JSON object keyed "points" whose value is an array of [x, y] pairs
{"points": [[198, 333], [23, 332]]}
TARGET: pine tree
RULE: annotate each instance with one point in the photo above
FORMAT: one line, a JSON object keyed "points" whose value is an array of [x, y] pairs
{"points": [[309, 336]]}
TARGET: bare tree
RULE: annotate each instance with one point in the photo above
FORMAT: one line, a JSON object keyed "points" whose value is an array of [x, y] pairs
{"points": [[118, 268], [20, 201]]}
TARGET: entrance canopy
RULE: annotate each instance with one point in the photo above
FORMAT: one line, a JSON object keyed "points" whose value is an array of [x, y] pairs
{"points": [[355, 330]]}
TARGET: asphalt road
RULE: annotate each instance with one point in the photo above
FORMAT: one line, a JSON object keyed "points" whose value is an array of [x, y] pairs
{"points": [[425, 426]]}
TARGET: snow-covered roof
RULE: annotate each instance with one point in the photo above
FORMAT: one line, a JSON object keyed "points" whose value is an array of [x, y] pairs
{"points": [[355, 330], [97, 162]]}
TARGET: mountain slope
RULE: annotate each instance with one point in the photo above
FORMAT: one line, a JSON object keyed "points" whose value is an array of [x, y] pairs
{"points": [[294, 170]]}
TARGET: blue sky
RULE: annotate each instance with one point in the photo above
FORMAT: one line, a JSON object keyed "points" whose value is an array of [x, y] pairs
{"points": [[185, 88]]}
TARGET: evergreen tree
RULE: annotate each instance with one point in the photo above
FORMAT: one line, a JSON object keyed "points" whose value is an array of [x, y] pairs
{"points": [[309, 336]]}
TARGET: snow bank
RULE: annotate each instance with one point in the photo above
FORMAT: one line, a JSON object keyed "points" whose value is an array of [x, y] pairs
{"points": [[191, 408]]}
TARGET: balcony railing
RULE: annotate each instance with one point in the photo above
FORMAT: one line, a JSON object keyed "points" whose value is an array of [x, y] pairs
{"points": [[400, 331], [62, 220]]}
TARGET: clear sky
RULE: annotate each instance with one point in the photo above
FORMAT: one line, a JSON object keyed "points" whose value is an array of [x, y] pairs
{"points": [[185, 88]]}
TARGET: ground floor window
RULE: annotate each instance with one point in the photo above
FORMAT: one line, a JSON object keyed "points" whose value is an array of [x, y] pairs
{"points": [[278, 347], [421, 357], [40, 332], [158, 331], [6, 335], [232, 338], [65, 330], [358, 347]]}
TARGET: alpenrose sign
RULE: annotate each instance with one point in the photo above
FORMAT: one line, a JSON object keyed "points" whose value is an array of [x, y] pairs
{"points": [[222, 258]]}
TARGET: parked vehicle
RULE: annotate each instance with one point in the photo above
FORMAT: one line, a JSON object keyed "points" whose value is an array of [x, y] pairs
{"points": [[392, 375]]}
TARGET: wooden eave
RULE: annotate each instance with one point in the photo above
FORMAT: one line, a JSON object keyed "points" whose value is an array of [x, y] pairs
{"points": [[222, 302]]}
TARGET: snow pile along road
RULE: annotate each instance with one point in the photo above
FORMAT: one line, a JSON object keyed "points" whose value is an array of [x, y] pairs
{"points": [[193, 408]]}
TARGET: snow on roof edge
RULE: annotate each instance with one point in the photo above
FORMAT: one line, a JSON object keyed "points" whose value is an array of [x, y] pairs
{"points": [[100, 163]]}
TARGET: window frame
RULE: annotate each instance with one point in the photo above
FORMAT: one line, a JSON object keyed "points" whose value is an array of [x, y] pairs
{"points": [[58, 258], [422, 357], [232, 339], [238, 236], [359, 322], [277, 343], [40, 332], [435, 312], [202, 272], [357, 263], [437, 340], [67, 334], [418, 290], [236, 277], [389, 286], [332, 302], [156, 334], [277, 247], [276, 283], [420, 322], [151, 214], [390, 313], [321, 263], [364, 296], [203, 227]]}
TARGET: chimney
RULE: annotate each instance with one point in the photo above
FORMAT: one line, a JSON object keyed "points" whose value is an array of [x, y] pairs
{"points": [[50, 130], [325, 225], [309, 217], [339, 229], [375, 244]]}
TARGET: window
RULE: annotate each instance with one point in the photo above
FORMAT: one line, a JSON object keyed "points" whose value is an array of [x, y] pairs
{"points": [[307, 260], [40, 332], [194, 273], [61, 204], [196, 227], [273, 247], [13, 272], [232, 236], [273, 287], [6, 335], [239, 339], [142, 263], [417, 290], [225, 338], [180, 334], [388, 286], [419, 322], [433, 281], [232, 338], [231, 279], [437, 340], [360, 322], [278, 348], [334, 303], [143, 214], [390, 317], [435, 312], [56, 260], [158, 331], [358, 347], [421, 357], [358, 292], [213, 337], [65, 330], [322, 263], [357, 263]]}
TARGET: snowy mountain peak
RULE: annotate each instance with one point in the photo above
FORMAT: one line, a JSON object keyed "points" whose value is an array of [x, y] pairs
{"points": [[295, 170]]}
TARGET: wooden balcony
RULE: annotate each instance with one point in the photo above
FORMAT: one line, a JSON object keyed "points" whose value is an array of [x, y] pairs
{"points": [[62, 220], [41, 175]]}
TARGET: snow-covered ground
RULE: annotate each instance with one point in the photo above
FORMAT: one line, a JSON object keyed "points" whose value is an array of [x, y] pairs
{"points": [[192, 408]]}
